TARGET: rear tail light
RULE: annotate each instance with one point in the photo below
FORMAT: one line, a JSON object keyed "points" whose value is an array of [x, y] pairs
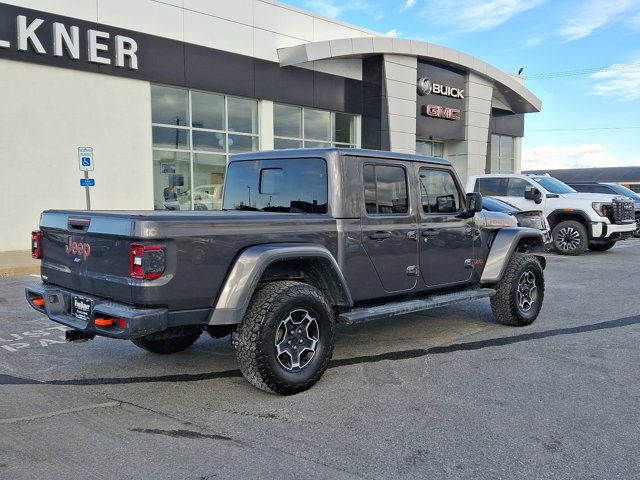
{"points": [[36, 244], [146, 261]]}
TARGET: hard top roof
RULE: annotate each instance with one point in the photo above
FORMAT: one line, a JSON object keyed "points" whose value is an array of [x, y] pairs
{"points": [[326, 152]]}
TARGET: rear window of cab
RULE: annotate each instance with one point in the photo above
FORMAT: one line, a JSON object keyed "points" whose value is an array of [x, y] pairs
{"points": [[292, 185]]}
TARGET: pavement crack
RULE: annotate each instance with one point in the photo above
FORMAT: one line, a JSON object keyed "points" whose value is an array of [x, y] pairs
{"points": [[181, 433], [6, 421]]}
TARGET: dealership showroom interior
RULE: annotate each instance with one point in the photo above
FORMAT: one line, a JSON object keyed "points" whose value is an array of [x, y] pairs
{"points": [[448, 168]]}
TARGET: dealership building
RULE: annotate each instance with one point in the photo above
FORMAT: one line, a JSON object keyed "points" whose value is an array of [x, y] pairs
{"points": [[154, 96]]}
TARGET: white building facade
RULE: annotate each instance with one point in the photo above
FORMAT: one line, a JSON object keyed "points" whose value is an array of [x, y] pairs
{"points": [[165, 91]]}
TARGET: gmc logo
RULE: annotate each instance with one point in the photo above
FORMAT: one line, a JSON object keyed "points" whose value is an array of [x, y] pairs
{"points": [[438, 111], [78, 248]]}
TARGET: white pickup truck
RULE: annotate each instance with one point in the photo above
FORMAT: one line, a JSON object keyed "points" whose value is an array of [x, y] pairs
{"points": [[578, 220]]}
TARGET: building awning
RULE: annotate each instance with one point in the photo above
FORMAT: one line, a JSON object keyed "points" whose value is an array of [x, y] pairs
{"points": [[519, 97]]}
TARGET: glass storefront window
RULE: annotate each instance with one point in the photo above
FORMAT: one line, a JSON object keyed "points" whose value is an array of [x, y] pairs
{"points": [[282, 143], [243, 115], [208, 181], [169, 106], [296, 127], [208, 141], [174, 138], [242, 143], [345, 129], [502, 154], [207, 111], [287, 121], [196, 132], [317, 125], [430, 148], [172, 180]]}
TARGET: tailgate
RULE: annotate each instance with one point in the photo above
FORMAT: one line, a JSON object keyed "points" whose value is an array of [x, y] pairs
{"points": [[87, 252]]}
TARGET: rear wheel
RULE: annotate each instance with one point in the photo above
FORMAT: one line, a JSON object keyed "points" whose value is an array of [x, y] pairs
{"points": [[171, 340], [570, 238], [601, 247], [520, 292], [286, 339]]}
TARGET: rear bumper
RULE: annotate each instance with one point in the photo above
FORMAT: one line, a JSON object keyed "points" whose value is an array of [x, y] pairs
{"points": [[138, 322]]}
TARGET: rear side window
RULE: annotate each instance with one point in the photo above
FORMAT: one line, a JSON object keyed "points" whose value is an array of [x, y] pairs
{"points": [[287, 186], [385, 190], [493, 187], [438, 192]]}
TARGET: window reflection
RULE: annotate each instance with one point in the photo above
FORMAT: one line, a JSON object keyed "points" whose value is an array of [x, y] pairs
{"points": [[274, 186], [219, 126]]}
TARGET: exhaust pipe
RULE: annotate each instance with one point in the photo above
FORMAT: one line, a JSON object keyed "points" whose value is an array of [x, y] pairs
{"points": [[78, 336]]}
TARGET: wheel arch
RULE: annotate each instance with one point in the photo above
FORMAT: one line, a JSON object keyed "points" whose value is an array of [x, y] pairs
{"points": [[311, 263], [562, 215], [506, 242]]}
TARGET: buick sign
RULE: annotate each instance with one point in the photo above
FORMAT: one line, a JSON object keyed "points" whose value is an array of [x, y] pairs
{"points": [[427, 87]]}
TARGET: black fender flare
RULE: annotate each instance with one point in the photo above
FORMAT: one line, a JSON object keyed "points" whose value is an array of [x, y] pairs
{"points": [[243, 278], [504, 244]]}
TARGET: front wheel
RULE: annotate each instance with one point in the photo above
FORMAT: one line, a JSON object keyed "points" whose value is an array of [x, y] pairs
{"points": [[286, 339], [520, 292], [601, 247], [570, 238]]}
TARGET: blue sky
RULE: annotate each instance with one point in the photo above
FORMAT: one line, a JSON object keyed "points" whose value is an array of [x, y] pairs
{"points": [[543, 36]]}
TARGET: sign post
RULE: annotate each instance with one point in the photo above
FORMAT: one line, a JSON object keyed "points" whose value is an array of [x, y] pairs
{"points": [[85, 163]]}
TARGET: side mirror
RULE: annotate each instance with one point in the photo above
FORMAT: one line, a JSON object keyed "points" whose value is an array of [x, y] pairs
{"points": [[532, 193], [474, 202]]}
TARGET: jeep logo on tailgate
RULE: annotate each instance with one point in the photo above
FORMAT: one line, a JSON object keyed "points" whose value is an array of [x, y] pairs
{"points": [[78, 248]]}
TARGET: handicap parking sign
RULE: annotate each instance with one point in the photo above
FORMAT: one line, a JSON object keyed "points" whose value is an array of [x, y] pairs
{"points": [[85, 157]]}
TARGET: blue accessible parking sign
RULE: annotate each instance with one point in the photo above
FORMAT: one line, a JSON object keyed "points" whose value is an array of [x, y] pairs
{"points": [[87, 182]]}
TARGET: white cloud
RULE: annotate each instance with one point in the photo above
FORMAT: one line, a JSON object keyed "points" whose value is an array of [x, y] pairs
{"points": [[619, 84], [408, 4], [475, 15], [593, 15], [335, 8], [393, 33], [549, 157], [532, 42]]}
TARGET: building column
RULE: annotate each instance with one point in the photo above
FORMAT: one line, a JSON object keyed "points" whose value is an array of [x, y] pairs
{"points": [[400, 74], [470, 157], [265, 124]]}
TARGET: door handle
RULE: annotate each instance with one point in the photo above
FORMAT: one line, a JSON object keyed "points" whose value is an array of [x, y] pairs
{"points": [[380, 236], [430, 233]]}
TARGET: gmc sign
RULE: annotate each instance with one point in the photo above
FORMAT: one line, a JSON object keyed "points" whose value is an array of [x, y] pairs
{"points": [[438, 111]]}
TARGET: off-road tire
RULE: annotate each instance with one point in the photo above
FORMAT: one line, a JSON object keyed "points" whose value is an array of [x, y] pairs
{"points": [[256, 338], [504, 303], [601, 247], [171, 340], [563, 231]]}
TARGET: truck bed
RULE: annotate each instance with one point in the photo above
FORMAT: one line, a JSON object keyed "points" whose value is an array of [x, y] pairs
{"points": [[200, 247]]}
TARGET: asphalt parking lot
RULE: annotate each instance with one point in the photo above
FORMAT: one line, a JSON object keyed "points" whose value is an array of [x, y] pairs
{"points": [[444, 394]]}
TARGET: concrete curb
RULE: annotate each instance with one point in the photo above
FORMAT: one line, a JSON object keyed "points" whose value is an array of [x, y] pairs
{"points": [[18, 262], [17, 271]]}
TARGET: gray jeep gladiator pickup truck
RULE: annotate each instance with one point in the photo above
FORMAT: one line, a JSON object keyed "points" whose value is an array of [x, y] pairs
{"points": [[306, 238]]}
